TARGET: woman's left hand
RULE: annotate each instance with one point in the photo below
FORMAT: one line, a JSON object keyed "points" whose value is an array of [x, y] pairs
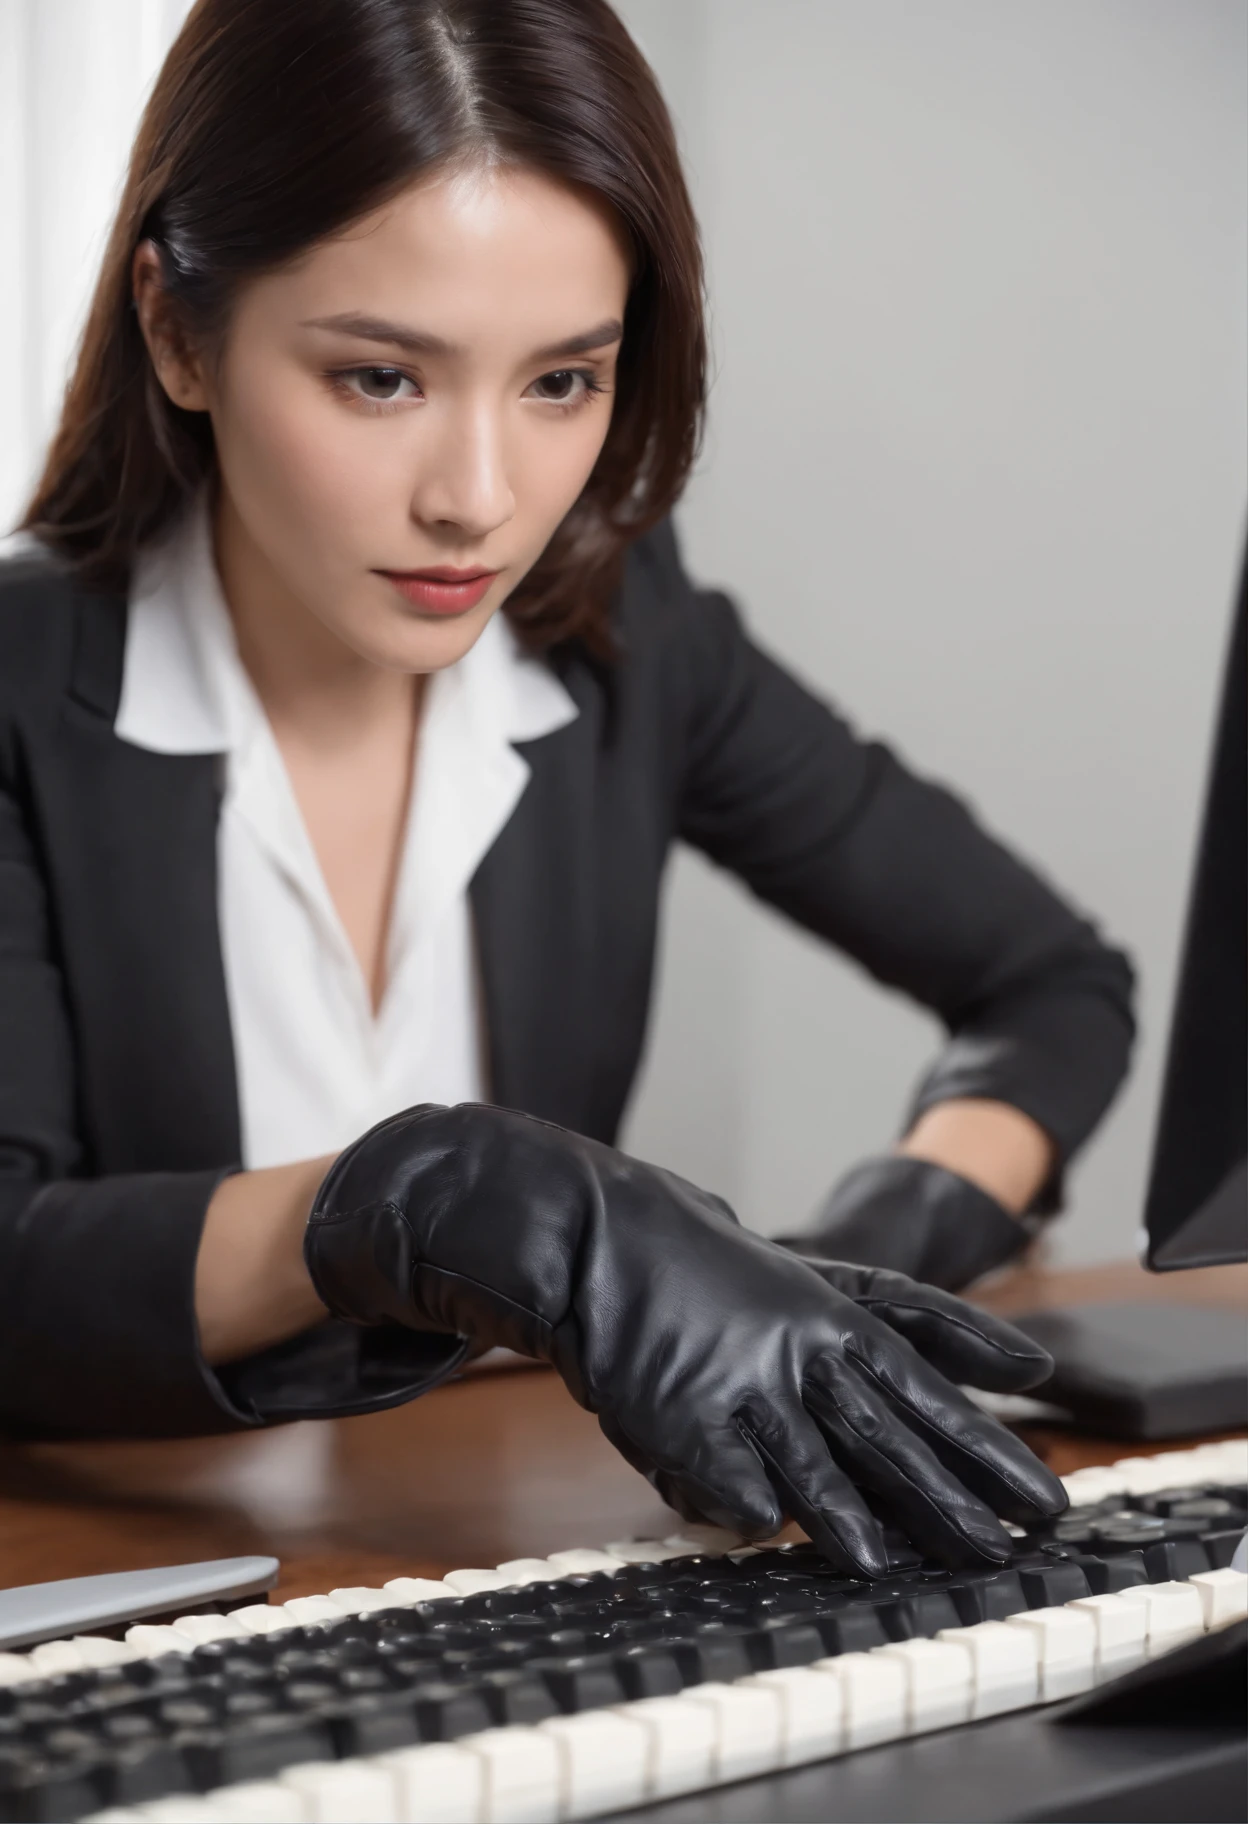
{"points": [[914, 1217]]}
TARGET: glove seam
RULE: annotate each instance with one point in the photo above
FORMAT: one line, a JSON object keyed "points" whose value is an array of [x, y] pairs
{"points": [[869, 1303]]}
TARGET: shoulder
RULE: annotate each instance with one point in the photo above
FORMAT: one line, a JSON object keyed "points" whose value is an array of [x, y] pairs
{"points": [[40, 603], [660, 611]]}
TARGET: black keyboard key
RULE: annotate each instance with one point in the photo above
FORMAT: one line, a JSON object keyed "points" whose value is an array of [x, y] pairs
{"points": [[1212, 1509], [1222, 1546], [992, 1597], [714, 1652], [405, 1670], [371, 1722], [1128, 1534], [583, 1682], [187, 1712], [1048, 1586], [649, 1671], [919, 1616], [639, 1631], [785, 1642], [40, 1789], [140, 1771], [1175, 1559], [1107, 1576], [785, 1599], [855, 1628], [517, 1698], [1165, 1503], [253, 1748], [445, 1711]]}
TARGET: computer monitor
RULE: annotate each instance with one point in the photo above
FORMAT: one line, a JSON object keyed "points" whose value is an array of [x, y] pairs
{"points": [[1196, 1211], [1171, 1369]]}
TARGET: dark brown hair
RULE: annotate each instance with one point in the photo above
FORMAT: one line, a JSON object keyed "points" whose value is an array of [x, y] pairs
{"points": [[274, 124]]}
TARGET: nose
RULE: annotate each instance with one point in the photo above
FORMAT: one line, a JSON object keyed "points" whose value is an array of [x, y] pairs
{"points": [[463, 486]]}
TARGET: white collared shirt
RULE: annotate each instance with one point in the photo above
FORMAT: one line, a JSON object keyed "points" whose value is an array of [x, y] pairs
{"points": [[316, 1066]]}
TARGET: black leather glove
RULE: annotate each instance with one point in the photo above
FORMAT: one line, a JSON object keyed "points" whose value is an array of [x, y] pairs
{"points": [[916, 1218], [729, 1372], [971, 1347]]}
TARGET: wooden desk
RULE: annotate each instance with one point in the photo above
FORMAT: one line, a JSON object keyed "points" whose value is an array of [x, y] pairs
{"points": [[496, 1466]]}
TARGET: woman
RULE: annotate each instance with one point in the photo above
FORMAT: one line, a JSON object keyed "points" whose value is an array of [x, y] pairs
{"points": [[353, 694]]}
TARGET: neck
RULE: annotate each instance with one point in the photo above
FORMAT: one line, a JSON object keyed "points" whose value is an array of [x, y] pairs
{"points": [[311, 684]]}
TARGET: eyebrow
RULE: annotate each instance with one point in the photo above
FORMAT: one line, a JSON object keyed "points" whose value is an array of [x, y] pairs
{"points": [[419, 342]]}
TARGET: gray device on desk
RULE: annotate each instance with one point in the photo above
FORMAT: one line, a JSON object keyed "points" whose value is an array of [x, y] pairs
{"points": [[1171, 1370]]}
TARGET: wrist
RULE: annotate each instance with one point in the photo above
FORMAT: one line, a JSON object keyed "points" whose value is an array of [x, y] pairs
{"points": [[992, 1145]]}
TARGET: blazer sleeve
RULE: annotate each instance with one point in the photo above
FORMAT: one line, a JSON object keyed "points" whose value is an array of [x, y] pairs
{"points": [[97, 1275], [898, 873]]}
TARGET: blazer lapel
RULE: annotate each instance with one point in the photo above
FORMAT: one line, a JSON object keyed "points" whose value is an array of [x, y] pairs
{"points": [[132, 841]]}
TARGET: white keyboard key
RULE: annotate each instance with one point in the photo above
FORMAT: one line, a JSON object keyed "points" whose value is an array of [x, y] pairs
{"points": [[437, 1784], [16, 1669], [1230, 1460], [255, 1802], [1145, 1475], [873, 1692], [681, 1744], [582, 1563], [521, 1775], [1067, 1644], [308, 1610], [363, 1599], [152, 1641], [474, 1582], [535, 1570], [418, 1589], [646, 1551], [714, 1540], [1223, 1596], [344, 1792], [1005, 1666], [603, 1758], [813, 1712], [938, 1682], [55, 1657], [98, 1651], [1174, 1612], [1088, 1486], [263, 1618], [749, 1721], [199, 1629], [1121, 1629]]}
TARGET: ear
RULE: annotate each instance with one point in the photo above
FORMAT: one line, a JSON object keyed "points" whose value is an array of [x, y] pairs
{"points": [[178, 365]]}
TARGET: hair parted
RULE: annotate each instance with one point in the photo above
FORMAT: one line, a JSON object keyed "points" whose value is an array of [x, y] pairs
{"points": [[275, 124]]}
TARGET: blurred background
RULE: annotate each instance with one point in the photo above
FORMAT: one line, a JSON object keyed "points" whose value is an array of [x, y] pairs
{"points": [[977, 468]]}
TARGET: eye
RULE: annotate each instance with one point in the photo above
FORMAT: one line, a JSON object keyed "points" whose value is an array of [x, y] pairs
{"points": [[565, 386], [381, 385]]}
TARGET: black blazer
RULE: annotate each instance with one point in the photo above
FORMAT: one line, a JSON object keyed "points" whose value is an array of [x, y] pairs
{"points": [[118, 1102]]}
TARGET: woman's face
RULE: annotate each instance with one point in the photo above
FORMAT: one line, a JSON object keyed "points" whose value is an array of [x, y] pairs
{"points": [[428, 391]]}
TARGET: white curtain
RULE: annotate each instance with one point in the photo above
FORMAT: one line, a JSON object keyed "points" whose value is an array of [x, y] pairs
{"points": [[74, 75]]}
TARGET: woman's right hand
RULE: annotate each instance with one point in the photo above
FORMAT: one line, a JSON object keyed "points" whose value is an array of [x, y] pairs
{"points": [[729, 1372]]}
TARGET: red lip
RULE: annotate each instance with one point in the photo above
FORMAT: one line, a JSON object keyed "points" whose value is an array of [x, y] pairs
{"points": [[441, 589]]}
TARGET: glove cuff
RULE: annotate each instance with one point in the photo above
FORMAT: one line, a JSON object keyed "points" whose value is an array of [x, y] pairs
{"points": [[919, 1218]]}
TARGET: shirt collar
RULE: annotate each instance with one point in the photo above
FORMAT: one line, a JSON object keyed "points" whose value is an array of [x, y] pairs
{"points": [[184, 689]]}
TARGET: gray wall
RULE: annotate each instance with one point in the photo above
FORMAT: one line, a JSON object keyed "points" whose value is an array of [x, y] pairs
{"points": [[977, 470]]}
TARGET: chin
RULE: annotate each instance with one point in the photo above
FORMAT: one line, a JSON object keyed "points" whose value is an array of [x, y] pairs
{"points": [[422, 645]]}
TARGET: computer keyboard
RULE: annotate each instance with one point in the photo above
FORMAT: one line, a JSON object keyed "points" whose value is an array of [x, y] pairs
{"points": [[594, 1680]]}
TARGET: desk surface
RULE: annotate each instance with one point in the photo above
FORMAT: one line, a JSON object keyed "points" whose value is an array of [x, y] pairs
{"points": [[497, 1466]]}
